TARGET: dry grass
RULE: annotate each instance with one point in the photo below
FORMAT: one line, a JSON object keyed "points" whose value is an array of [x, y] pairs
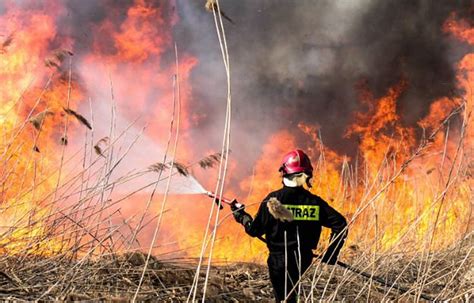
{"points": [[101, 145], [116, 276], [6, 43], [38, 120], [181, 168], [79, 117], [210, 161]]}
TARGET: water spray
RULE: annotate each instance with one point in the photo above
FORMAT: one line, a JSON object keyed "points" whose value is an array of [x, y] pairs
{"points": [[193, 186]]}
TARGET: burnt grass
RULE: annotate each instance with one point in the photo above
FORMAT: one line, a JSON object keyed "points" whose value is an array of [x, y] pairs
{"points": [[115, 278]]}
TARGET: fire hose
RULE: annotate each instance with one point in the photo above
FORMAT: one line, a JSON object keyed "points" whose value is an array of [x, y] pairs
{"points": [[359, 272]]}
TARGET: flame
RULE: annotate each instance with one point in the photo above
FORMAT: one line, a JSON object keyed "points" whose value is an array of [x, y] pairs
{"points": [[129, 62], [31, 117], [138, 44], [381, 135], [459, 28], [41, 78]]}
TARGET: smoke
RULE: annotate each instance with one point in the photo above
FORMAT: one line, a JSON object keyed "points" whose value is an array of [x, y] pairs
{"points": [[299, 61]]}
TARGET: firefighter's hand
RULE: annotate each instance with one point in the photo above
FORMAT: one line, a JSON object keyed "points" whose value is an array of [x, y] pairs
{"points": [[237, 210], [239, 213], [236, 206]]}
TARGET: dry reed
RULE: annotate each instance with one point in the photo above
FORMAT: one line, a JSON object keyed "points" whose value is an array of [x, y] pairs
{"points": [[79, 117]]}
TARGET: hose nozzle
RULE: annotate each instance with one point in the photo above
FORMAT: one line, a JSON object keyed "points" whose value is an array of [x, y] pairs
{"points": [[212, 195]]}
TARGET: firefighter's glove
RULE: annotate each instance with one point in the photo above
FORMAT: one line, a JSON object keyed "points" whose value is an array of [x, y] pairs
{"points": [[236, 206], [239, 213]]}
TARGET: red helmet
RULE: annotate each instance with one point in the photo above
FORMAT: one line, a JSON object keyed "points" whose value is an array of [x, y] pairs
{"points": [[296, 161]]}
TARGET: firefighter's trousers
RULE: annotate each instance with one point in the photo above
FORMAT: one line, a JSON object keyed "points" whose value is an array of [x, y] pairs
{"points": [[292, 268]]}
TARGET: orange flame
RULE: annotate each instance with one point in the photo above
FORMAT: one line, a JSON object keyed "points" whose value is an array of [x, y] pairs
{"points": [[459, 28], [431, 193], [32, 118]]}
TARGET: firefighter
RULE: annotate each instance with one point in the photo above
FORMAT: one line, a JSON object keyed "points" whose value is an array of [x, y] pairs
{"points": [[291, 219]]}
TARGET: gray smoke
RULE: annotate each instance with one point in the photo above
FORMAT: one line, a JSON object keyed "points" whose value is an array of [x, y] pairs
{"points": [[296, 61]]}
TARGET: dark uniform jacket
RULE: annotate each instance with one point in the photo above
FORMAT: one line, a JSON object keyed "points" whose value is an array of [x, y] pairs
{"points": [[310, 212]]}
